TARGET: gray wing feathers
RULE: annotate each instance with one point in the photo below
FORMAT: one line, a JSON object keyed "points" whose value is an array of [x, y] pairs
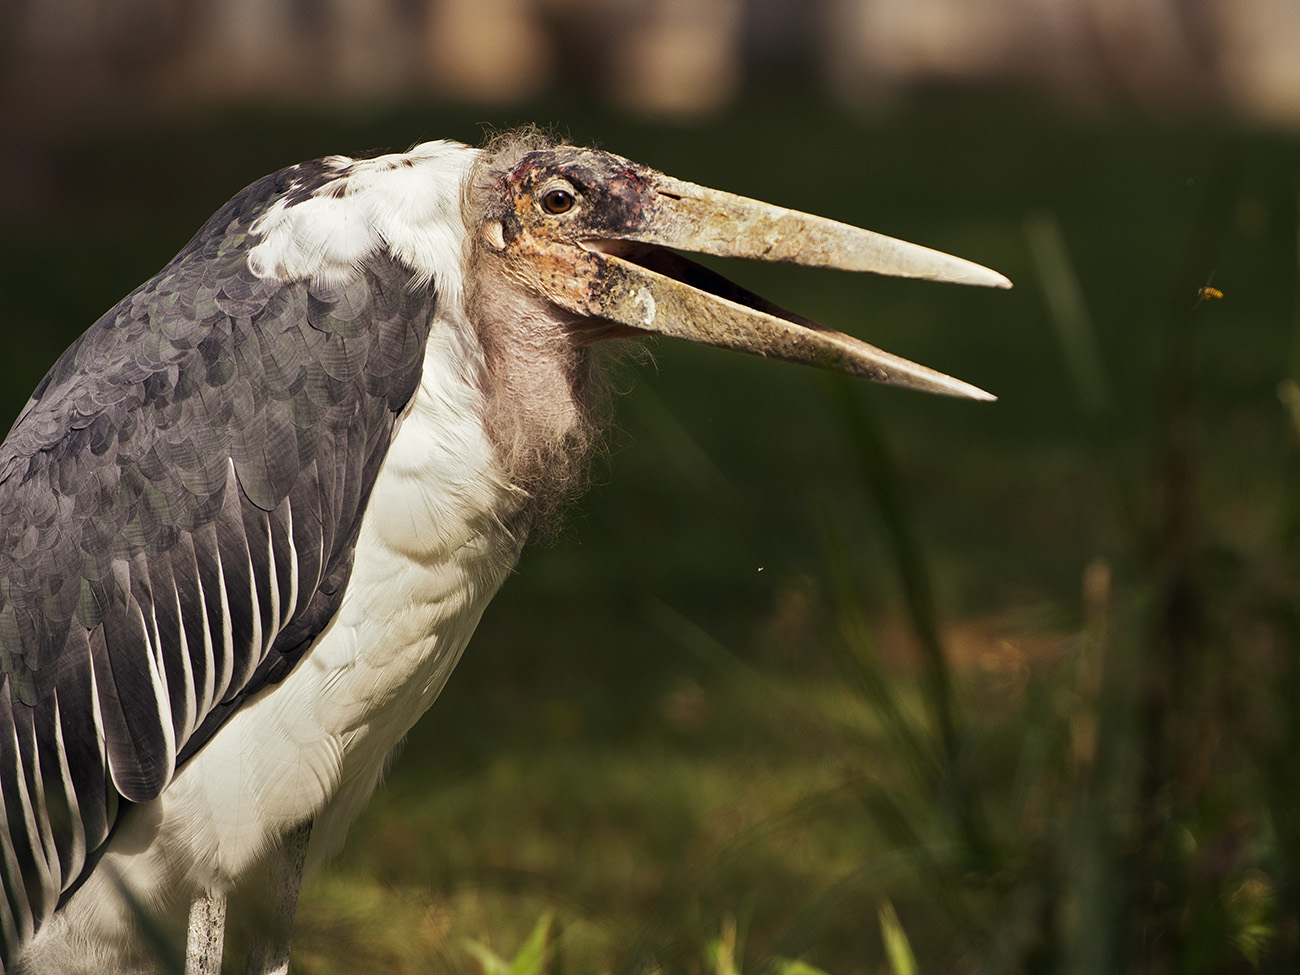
{"points": [[179, 502]]}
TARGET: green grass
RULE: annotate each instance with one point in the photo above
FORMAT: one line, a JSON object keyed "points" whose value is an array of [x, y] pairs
{"points": [[811, 652]]}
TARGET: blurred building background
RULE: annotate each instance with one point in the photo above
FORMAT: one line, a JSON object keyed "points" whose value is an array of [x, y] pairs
{"points": [[665, 57]]}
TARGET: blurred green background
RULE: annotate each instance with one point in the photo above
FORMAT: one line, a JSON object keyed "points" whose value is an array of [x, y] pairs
{"points": [[1023, 672]]}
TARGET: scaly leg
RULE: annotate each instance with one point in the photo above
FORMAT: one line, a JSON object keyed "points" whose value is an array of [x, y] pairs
{"points": [[207, 934], [270, 954]]}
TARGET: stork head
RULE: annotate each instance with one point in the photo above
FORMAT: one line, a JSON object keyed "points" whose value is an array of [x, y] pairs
{"points": [[594, 235], [573, 246]]}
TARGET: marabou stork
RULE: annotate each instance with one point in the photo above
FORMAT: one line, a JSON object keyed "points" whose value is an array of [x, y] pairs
{"points": [[251, 517]]}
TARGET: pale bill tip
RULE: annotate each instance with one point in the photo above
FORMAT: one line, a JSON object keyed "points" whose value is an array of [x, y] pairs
{"points": [[989, 278], [913, 375], [958, 270], [955, 387]]}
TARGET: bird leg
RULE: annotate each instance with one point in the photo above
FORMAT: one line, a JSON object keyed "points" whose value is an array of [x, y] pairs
{"points": [[203, 943], [270, 952]]}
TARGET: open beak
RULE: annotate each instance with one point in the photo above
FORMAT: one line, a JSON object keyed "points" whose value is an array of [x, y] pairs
{"points": [[643, 287]]}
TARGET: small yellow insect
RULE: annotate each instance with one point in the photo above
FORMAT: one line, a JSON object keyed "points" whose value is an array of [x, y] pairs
{"points": [[1207, 293]]}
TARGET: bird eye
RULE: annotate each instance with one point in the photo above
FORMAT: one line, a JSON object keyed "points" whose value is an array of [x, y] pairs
{"points": [[558, 201]]}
